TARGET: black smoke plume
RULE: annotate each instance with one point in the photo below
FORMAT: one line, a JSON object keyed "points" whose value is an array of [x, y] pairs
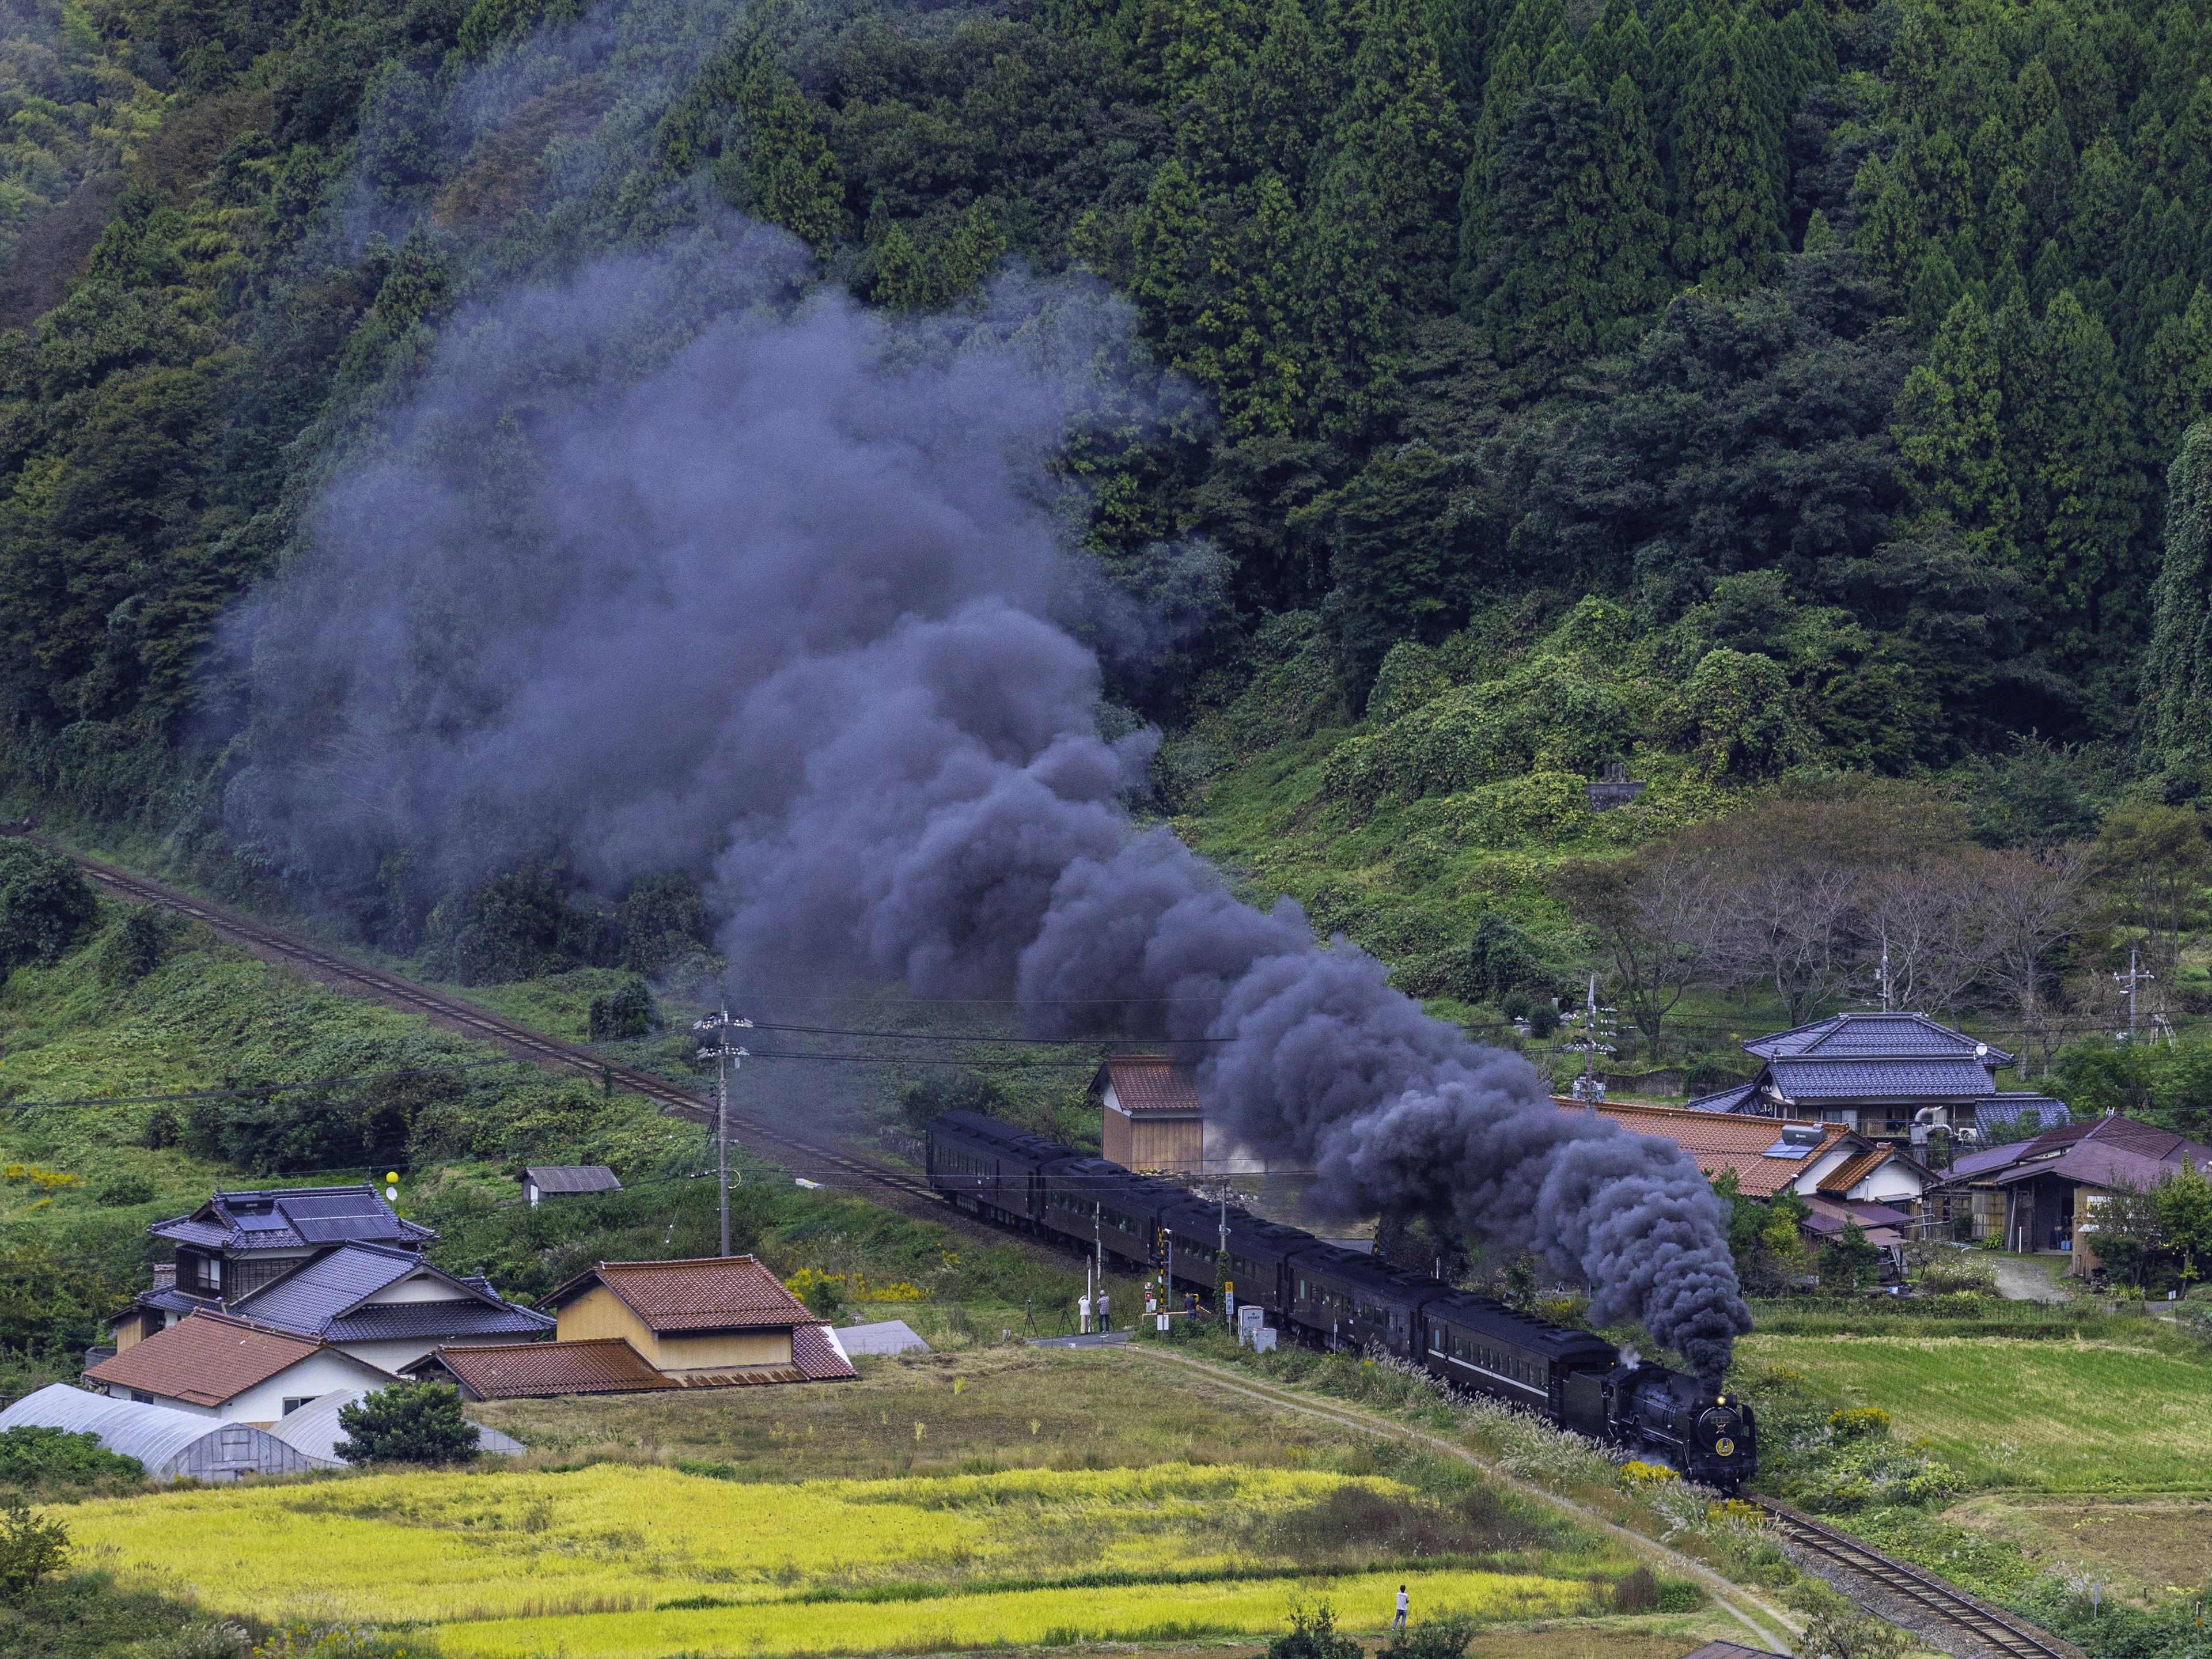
{"points": [[792, 598]]}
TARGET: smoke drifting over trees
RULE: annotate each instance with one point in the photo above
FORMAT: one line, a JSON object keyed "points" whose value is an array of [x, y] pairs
{"points": [[796, 598]]}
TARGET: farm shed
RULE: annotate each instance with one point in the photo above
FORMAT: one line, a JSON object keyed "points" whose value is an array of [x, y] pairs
{"points": [[2043, 1193], [715, 1321], [217, 1366], [173, 1444], [566, 1181], [314, 1429], [1151, 1117]]}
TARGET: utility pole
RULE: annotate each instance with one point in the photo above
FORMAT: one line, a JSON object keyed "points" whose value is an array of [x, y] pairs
{"points": [[2132, 979], [1885, 973], [719, 1050]]}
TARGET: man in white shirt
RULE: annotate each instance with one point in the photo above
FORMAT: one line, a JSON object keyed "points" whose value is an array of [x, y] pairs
{"points": [[1398, 1623], [1083, 1312]]}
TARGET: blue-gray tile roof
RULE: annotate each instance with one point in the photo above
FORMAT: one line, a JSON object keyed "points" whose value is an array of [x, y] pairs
{"points": [[1727, 1100], [293, 1218], [1880, 1080], [2009, 1110], [388, 1321], [327, 1295], [1873, 1035]]}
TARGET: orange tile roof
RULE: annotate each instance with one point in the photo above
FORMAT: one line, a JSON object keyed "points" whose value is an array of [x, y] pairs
{"points": [[207, 1358], [1852, 1171], [1152, 1083], [1721, 1140], [709, 1293], [534, 1370]]}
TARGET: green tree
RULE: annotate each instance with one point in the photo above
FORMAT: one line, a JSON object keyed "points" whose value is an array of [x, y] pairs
{"points": [[407, 1422], [2177, 675], [1635, 230], [2080, 494], [1543, 288], [1728, 222], [46, 905], [2177, 376], [2184, 1212], [1312, 1634], [1950, 435], [1738, 702], [1379, 232], [787, 170], [1849, 1262], [31, 1547]]}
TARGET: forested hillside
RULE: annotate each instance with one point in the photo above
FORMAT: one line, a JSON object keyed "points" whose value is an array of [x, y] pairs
{"points": [[1731, 390]]}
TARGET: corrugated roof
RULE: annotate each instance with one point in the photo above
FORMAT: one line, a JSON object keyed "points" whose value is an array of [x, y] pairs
{"points": [[157, 1435], [2129, 1140], [1151, 1083], [1880, 1079], [535, 1370], [1726, 1100], [1866, 1034], [1719, 1141], [886, 1336], [571, 1178], [815, 1351], [703, 1294], [208, 1359]]}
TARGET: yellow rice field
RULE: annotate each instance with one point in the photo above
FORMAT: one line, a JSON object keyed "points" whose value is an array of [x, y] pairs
{"points": [[501, 1562], [1142, 1613]]}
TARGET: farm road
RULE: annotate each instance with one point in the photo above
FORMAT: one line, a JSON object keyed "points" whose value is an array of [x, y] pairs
{"points": [[2026, 1279], [1766, 1623]]}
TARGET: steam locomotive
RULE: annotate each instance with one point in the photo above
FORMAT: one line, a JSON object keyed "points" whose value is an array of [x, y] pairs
{"points": [[1338, 1298]]}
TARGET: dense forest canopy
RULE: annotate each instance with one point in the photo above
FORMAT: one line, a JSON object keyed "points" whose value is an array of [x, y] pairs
{"points": [[1734, 390]]}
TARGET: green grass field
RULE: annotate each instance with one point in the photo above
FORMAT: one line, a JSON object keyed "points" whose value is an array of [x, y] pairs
{"points": [[2102, 1416]]}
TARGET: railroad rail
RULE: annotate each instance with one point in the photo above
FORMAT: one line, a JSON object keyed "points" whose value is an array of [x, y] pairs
{"points": [[1935, 1598], [888, 1185]]}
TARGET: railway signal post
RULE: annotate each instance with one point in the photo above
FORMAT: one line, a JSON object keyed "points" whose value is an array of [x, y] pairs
{"points": [[717, 1028]]}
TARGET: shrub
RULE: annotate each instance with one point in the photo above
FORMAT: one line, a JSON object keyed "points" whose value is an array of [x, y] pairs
{"points": [[135, 947], [1957, 1276], [624, 1015], [407, 1422], [125, 1191], [303, 1641], [1312, 1635], [43, 1459], [1637, 1592], [1431, 1639], [46, 905], [1739, 703], [31, 1547], [1859, 1423]]}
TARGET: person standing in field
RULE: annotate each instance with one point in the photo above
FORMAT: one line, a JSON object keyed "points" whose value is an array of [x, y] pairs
{"points": [[1105, 1316], [1083, 1312], [1398, 1623]]}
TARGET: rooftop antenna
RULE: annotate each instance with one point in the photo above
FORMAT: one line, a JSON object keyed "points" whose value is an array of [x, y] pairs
{"points": [[716, 1027]]}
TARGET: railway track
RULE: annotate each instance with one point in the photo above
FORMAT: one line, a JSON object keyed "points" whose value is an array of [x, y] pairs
{"points": [[886, 1185], [1922, 1593]]}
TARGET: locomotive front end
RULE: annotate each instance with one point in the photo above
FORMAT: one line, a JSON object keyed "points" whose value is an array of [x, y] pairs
{"points": [[1723, 1444]]}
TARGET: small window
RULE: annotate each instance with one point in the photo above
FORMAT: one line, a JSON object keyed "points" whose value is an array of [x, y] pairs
{"points": [[293, 1402], [142, 1397]]}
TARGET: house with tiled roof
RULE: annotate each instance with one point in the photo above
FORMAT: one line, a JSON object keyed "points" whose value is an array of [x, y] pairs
{"points": [[1766, 1156], [2042, 1193], [707, 1322], [236, 1243], [234, 1369], [1889, 1076], [388, 1306]]}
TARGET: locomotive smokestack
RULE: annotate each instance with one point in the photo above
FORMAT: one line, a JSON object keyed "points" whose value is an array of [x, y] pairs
{"points": [[797, 607]]}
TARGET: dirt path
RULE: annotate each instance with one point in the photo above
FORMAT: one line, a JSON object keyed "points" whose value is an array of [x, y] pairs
{"points": [[1767, 1624], [2025, 1279]]}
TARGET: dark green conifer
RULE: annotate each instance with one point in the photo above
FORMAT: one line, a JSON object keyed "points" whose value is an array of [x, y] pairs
{"points": [[2177, 376], [790, 176], [2177, 675], [1288, 92], [1950, 436], [1727, 221], [1634, 238], [1172, 242], [1541, 293], [2081, 495]]}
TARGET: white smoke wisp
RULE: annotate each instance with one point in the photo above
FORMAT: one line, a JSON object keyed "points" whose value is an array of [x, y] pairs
{"points": [[794, 603]]}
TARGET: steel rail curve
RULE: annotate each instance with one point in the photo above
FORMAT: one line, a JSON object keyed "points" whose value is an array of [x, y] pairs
{"points": [[517, 1039], [1946, 1604]]}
